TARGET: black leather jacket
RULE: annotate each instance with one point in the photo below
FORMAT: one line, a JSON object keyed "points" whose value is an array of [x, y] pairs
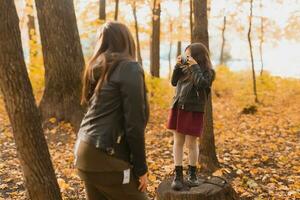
{"points": [[191, 94], [116, 118]]}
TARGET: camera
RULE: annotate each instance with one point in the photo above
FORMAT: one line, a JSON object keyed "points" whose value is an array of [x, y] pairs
{"points": [[184, 60]]}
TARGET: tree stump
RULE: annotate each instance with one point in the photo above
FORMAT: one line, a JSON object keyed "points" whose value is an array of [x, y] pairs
{"points": [[210, 188]]}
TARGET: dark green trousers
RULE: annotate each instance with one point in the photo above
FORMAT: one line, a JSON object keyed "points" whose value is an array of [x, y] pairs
{"points": [[108, 186], [103, 175]]}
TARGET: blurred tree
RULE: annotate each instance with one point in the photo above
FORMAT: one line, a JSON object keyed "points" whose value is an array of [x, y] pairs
{"points": [[136, 25], [251, 51], [31, 30], [191, 18], [102, 12], [22, 111], [170, 47], [223, 41], [293, 26], [180, 21], [261, 38], [155, 39], [116, 10], [200, 30], [207, 150], [63, 60]]}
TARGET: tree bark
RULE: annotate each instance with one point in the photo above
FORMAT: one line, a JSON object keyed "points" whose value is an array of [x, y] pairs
{"points": [[178, 48], [22, 111], [191, 19], [207, 150], [179, 29], [116, 10], [102, 12], [200, 29], [63, 60], [223, 41], [136, 25], [170, 48], [251, 52], [155, 39], [261, 40]]}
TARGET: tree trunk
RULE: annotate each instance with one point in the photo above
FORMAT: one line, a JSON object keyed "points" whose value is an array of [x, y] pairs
{"points": [[22, 111], [207, 150], [179, 29], [261, 40], [116, 10], [200, 29], [31, 31], [251, 51], [136, 25], [209, 189], [170, 49], [178, 48], [191, 19], [102, 12], [223, 41], [63, 60], [155, 39]]}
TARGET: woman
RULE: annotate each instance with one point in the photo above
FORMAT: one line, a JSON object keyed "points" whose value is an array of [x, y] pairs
{"points": [[192, 77], [110, 149]]}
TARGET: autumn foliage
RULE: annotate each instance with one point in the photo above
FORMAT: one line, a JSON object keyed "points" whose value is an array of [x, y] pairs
{"points": [[258, 152]]}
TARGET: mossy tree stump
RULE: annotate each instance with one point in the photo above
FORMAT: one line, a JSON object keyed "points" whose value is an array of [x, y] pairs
{"points": [[210, 189]]}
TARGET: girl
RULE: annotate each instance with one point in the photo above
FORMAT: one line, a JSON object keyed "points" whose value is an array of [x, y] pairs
{"points": [[110, 148], [192, 77]]}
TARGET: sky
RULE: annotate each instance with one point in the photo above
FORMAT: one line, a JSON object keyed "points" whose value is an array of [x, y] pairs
{"points": [[281, 56]]}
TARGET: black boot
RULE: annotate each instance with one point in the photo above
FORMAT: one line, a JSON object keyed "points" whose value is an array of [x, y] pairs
{"points": [[177, 183], [192, 176]]}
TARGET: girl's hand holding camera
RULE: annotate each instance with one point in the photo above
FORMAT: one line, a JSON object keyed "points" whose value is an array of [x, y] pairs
{"points": [[185, 62], [188, 60]]}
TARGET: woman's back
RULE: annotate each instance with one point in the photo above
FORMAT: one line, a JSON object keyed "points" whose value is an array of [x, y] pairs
{"points": [[112, 130], [104, 120]]}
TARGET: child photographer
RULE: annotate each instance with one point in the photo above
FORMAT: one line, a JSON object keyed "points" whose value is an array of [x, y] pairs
{"points": [[192, 77]]}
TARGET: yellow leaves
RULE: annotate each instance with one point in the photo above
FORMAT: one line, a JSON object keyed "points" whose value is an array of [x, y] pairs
{"points": [[62, 184], [8, 133], [218, 173], [152, 178], [159, 92], [52, 120], [253, 171], [261, 149], [252, 184], [264, 158], [239, 172], [3, 186]]}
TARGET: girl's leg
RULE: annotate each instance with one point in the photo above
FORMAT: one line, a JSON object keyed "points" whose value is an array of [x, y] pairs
{"points": [[192, 145], [179, 140]]}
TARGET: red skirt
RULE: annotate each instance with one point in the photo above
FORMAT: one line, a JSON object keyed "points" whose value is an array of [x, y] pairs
{"points": [[187, 123]]}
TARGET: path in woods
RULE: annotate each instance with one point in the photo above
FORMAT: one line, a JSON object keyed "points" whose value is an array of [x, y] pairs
{"points": [[258, 153]]}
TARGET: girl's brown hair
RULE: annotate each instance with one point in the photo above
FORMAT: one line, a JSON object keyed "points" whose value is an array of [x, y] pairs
{"points": [[114, 44], [201, 54]]}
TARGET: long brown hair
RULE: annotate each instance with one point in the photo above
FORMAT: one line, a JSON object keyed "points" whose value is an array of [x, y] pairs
{"points": [[201, 54], [114, 44]]}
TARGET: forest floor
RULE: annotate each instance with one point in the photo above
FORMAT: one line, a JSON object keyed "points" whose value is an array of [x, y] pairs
{"points": [[259, 153]]}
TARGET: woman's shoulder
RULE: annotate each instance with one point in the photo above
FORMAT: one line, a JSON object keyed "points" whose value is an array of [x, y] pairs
{"points": [[130, 65]]}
